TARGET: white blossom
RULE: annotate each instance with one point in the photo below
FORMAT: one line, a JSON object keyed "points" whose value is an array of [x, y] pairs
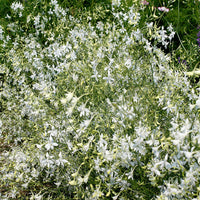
{"points": [[17, 6], [51, 144]]}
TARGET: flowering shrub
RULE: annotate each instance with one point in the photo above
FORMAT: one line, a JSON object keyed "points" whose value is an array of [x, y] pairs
{"points": [[94, 109]]}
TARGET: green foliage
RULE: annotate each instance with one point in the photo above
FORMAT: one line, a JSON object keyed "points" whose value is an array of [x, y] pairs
{"points": [[185, 18]]}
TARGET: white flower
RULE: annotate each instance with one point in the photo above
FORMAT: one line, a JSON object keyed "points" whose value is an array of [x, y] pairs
{"points": [[58, 184], [13, 194], [50, 144], [46, 161], [128, 63], [164, 163], [149, 25], [108, 79], [63, 101], [36, 197], [17, 5], [39, 146], [61, 161], [137, 34], [116, 2], [172, 32], [100, 26], [40, 86], [73, 55], [85, 123], [97, 193], [75, 77], [170, 28], [96, 75], [54, 2], [83, 110], [148, 47], [35, 173], [68, 98]]}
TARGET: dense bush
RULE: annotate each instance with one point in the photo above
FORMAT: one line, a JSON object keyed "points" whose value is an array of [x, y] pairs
{"points": [[93, 108]]}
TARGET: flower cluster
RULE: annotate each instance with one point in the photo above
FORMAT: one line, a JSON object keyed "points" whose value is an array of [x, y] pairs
{"points": [[17, 7], [163, 9], [94, 109]]}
